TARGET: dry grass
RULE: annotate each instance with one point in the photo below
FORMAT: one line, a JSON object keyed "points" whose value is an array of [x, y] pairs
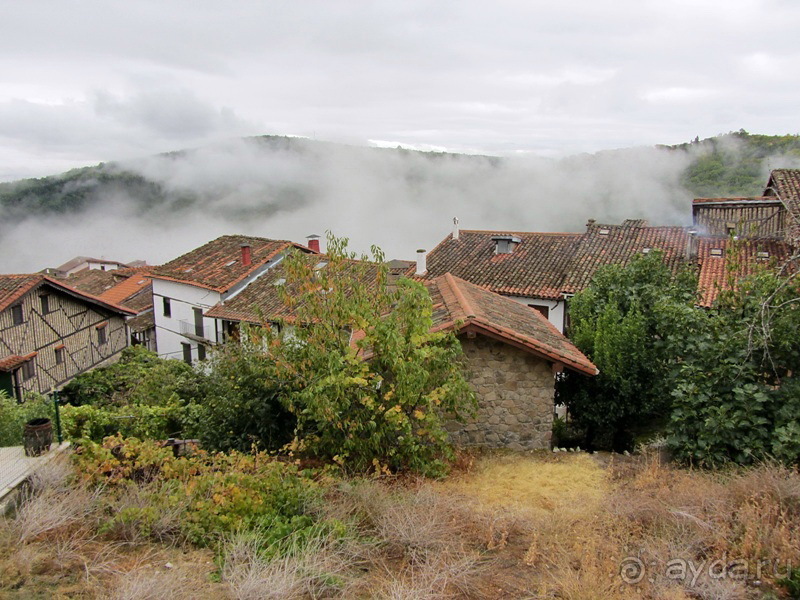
{"points": [[510, 526]]}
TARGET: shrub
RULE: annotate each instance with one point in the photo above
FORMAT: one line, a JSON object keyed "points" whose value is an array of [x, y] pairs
{"points": [[14, 415], [373, 383], [632, 323]]}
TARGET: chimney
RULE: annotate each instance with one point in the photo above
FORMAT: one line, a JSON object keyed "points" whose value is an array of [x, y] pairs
{"points": [[455, 228], [422, 264], [691, 246], [246, 257], [313, 242]]}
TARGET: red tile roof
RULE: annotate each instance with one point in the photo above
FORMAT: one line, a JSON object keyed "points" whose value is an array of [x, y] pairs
{"points": [[535, 268], [603, 245], [463, 306], [714, 262], [260, 301], [785, 183], [218, 266], [14, 361], [127, 287], [14, 287]]}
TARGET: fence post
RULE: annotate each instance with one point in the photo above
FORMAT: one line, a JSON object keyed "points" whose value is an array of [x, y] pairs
{"points": [[57, 408]]}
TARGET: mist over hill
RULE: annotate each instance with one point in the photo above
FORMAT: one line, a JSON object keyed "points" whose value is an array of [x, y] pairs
{"points": [[158, 207]]}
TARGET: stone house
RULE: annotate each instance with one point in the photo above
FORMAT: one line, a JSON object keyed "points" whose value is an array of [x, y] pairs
{"points": [[513, 355], [51, 332]]}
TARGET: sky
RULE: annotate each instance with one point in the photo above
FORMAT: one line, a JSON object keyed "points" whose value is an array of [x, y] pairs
{"points": [[101, 80]]}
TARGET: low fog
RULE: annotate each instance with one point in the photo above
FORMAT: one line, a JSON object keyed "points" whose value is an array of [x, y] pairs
{"points": [[399, 200]]}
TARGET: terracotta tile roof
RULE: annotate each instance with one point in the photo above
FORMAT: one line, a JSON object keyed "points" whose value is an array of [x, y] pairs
{"points": [[714, 261], [14, 361], [785, 183], [738, 200], [463, 306], [74, 262], [218, 266], [617, 244], [131, 288], [535, 268], [260, 301], [14, 287]]}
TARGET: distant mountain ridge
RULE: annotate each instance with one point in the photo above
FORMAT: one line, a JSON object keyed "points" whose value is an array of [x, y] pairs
{"points": [[732, 164]]}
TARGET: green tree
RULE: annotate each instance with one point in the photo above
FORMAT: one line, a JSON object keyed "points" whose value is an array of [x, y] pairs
{"points": [[373, 383], [738, 394], [631, 323]]}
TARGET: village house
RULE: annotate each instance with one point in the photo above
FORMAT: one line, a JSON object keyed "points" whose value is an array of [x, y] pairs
{"points": [[186, 287], [513, 354], [81, 263], [129, 287], [50, 332]]}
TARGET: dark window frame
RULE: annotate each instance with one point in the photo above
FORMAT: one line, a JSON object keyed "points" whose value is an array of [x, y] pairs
{"points": [[167, 307], [102, 336], [187, 352], [44, 300], [17, 314], [201, 352], [28, 369], [199, 329], [60, 355], [543, 310]]}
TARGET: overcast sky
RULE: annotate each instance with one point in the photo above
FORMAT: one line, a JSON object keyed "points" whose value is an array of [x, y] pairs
{"points": [[98, 80]]}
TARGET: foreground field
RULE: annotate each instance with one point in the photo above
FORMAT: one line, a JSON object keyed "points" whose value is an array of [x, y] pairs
{"points": [[571, 526]]}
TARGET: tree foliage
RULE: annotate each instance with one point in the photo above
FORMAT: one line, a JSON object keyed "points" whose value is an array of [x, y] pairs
{"points": [[373, 384], [738, 394], [629, 323]]}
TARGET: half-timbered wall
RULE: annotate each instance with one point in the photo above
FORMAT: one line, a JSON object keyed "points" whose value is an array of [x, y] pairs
{"points": [[751, 220], [69, 322]]}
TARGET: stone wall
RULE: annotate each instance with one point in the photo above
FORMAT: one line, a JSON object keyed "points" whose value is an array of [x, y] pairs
{"points": [[515, 397]]}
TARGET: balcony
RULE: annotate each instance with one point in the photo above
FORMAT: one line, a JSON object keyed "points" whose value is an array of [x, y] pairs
{"points": [[197, 332]]}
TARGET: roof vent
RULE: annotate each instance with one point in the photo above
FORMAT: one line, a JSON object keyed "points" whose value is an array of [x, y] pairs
{"points": [[505, 244], [716, 252], [604, 231], [229, 263], [645, 250], [762, 254]]}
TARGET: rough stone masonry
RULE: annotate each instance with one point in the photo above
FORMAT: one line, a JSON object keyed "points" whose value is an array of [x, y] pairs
{"points": [[515, 391]]}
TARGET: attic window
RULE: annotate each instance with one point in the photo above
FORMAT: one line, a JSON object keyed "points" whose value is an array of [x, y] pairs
{"points": [[604, 231], [320, 265], [716, 252], [762, 254], [505, 244]]}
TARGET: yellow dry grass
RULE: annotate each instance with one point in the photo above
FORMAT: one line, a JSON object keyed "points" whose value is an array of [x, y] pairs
{"points": [[536, 482]]}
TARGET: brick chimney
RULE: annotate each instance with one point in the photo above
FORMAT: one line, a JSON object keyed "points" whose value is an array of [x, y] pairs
{"points": [[246, 256], [422, 263], [313, 242]]}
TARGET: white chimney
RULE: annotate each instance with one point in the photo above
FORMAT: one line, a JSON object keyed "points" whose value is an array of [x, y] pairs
{"points": [[422, 265], [455, 228]]}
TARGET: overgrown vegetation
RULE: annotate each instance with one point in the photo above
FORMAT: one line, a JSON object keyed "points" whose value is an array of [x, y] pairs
{"points": [[371, 383], [629, 322]]}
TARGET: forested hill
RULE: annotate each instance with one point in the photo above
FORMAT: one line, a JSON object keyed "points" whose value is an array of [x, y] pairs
{"points": [[732, 164]]}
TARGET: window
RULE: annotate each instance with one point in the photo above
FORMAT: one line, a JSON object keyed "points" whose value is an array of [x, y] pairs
{"points": [[45, 301], [17, 316], [101, 335], [201, 352], [28, 370], [60, 355], [198, 322], [167, 308], [187, 353], [542, 309]]}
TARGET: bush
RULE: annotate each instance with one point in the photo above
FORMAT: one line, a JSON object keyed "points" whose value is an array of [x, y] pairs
{"points": [[242, 406], [738, 394], [632, 323], [14, 415], [376, 403], [215, 493]]}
